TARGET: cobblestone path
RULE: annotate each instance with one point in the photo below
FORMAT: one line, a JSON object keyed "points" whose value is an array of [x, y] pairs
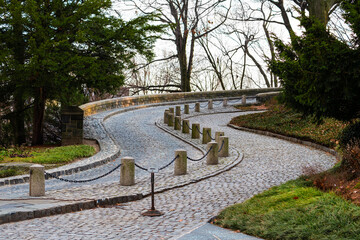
{"points": [[267, 162]]}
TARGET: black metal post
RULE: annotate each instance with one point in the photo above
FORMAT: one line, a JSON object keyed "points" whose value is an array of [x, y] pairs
{"points": [[152, 191], [152, 212]]}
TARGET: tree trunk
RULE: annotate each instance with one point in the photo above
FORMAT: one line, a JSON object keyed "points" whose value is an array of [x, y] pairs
{"points": [[319, 9], [19, 130], [38, 121]]}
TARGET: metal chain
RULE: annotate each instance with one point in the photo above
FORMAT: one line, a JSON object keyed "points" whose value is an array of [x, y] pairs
{"points": [[236, 101], [205, 104], [169, 163], [188, 126], [192, 107], [219, 103], [222, 144], [82, 181], [199, 130], [210, 136], [196, 160], [142, 168]]}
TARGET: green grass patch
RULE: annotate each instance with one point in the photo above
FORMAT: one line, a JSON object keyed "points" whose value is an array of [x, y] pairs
{"points": [[57, 155], [12, 171], [294, 210], [287, 122]]}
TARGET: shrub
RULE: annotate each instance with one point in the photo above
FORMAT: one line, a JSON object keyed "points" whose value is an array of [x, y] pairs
{"points": [[351, 158], [350, 134]]}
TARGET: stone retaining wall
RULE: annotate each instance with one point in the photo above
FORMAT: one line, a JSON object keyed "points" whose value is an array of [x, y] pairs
{"points": [[104, 105]]}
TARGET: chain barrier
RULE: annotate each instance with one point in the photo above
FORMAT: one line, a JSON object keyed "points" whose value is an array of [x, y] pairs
{"points": [[196, 160], [219, 103], [204, 105], [142, 168], [222, 144], [188, 125], [82, 181], [210, 136], [163, 167], [197, 128], [236, 101], [192, 107]]}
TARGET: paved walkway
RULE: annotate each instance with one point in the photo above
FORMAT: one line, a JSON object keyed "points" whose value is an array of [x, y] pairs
{"points": [[267, 162]]}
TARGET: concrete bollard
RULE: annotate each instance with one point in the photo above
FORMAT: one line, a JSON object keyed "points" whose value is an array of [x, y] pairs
{"points": [[212, 158], [224, 151], [206, 137], [185, 126], [166, 112], [186, 109], [178, 111], [171, 110], [243, 100], [197, 107], [127, 171], [180, 166], [37, 181], [177, 125], [225, 102], [210, 104], [170, 119], [217, 137], [195, 130]]}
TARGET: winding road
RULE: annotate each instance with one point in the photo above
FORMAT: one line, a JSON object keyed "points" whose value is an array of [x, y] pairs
{"points": [[267, 162]]}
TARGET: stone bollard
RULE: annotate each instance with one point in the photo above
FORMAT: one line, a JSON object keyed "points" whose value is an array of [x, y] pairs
{"points": [[185, 126], [206, 137], [178, 111], [224, 152], [37, 180], [127, 171], [177, 125], [217, 137], [171, 110], [210, 104], [171, 119], [195, 130], [197, 107], [243, 100], [212, 157], [166, 120], [225, 102], [186, 109], [180, 166]]}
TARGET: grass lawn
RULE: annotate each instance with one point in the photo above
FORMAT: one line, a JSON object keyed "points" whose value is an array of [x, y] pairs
{"points": [[54, 156], [281, 120], [294, 210]]}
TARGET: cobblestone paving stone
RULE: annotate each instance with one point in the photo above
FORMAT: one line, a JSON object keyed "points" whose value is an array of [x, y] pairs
{"points": [[267, 162]]}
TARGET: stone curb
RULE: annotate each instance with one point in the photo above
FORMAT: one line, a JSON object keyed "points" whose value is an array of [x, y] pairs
{"points": [[89, 204], [290, 139]]}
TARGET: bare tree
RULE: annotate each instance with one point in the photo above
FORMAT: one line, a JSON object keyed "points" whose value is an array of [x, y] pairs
{"points": [[184, 18]]}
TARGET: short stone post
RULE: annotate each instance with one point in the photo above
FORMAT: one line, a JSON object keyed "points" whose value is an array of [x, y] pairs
{"points": [[185, 126], [177, 125], [195, 130], [178, 111], [127, 171], [206, 137], [166, 112], [243, 100], [37, 181], [197, 107], [224, 151], [170, 119], [171, 110], [210, 104], [212, 158], [186, 109], [217, 137], [225, 102], [180, 166]]}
